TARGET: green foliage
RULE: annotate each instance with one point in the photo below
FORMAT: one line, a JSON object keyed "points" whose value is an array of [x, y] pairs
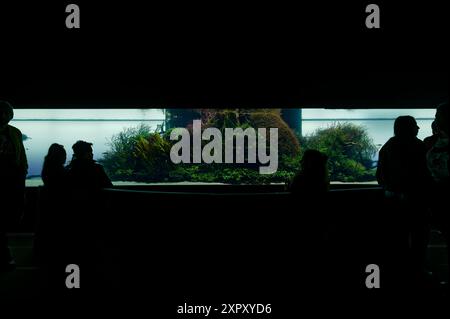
{"points": [[349, 148], [288, 144], [180, 117], [137, 154], [153, 154]]}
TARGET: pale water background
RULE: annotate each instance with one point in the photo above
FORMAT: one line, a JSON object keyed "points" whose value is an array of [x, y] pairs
{"points": [[44, 127]]}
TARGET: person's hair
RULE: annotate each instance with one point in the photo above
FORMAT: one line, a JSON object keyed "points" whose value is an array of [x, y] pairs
{"points": [[314, 162], [442, 117], [81, 148], [312, 177], [405, 126], [54, 160], [55, 152], [6, 108], [434, 127]]}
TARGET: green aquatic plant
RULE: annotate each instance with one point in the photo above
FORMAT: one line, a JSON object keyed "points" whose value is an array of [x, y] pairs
{"points": [[153, 157], [137, 154], [120, 161], [140, 154], [349, 148], [288, 143]]}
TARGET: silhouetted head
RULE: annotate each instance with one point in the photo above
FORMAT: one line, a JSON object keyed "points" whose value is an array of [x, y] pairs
{"points": [[442, 118], [313, 176], [82, 150], [434, 127], [6, 113], [56, 154], [314, 161], [405, 127]]}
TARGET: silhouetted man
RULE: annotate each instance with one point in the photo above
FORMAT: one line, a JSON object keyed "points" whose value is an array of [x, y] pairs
{"points": [[83, 172], [85, 218], [403, 173], [13, 170], [85, 180]]}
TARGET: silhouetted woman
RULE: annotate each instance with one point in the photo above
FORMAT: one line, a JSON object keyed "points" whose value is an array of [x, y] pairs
{"points": [[51, 221], [53, 171], [309, 189], [312, 179]]}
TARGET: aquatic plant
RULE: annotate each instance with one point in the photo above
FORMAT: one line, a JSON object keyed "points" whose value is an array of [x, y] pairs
{"points": [[121, 162], [288, 143], [349, 148], [153, 157], [138, 154]]}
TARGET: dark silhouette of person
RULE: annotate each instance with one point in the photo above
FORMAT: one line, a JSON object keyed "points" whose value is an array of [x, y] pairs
{"points": [[83, 172], [310, 186], [402, 163], [53, 171], [86, 215], [309, 194], [437, 156], [403, 174], [312, 179], [430, 140], [438, 164], [13, 170], [52, 202]]}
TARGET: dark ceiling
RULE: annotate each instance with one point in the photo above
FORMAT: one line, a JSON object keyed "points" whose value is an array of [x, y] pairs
{"points": [[205, 54], [339, 90]]}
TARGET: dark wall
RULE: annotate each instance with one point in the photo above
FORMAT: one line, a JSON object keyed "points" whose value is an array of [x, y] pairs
{"points": [[248, 245], [333, 89]]}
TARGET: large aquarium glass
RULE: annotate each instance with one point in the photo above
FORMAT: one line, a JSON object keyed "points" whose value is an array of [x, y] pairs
{"points": [[134, 145]]}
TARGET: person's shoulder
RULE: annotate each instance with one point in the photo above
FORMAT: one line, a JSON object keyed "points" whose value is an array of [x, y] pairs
{"points": [[14, 130], [390, 141], [388, 144], [420, 144], [98, 167], [297, 182]]}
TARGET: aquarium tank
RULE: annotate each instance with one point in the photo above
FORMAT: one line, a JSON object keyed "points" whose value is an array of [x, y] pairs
{"points": [[134, 145]]}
